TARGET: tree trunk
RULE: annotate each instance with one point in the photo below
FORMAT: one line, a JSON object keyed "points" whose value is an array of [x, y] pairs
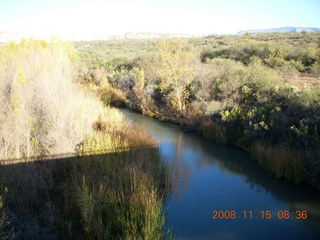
{"points": [[180, 104]]}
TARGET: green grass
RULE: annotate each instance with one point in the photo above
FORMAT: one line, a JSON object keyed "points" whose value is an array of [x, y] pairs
{"points": [[120, 198]]}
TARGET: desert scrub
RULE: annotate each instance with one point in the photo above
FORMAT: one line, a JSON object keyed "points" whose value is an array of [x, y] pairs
{"points": [[237, 91]]}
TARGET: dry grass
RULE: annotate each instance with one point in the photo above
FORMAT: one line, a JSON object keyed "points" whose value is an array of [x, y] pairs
{"points": [[121, 199], [283, 162], [212, 130], [107, 94], [113, 133], [302, 81]]}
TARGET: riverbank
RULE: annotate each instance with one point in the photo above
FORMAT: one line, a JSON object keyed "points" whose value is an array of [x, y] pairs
{"points": [[71, 168], [235, 95], [286, 163], [285, 150], [208, 176], [118, 193]]}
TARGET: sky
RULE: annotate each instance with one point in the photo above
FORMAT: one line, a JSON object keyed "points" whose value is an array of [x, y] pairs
{"points": [[97, 19]]}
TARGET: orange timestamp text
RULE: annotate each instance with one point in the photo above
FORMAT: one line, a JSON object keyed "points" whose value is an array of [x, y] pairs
{"points": [[260, 214]]}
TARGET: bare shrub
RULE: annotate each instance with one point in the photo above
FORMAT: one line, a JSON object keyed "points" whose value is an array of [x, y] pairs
{"points": [[42, 110]]}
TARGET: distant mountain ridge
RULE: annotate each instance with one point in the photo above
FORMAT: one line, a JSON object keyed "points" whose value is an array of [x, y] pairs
{"points": [[14, 36], [281, 30], [6, 36], [149, 35]]}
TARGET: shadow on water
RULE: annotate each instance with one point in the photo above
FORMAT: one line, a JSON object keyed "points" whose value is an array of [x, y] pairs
{"points": [[206, 176], [235, 161]]}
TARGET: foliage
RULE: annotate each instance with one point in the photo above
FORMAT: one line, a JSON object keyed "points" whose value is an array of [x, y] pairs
{"points": [[132, 212], [234, 89], [305, 58], [43, 111], [175, 71], [114, 189]]}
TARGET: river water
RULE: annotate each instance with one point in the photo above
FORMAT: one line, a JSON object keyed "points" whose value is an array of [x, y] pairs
{"points": [[207, 177]]}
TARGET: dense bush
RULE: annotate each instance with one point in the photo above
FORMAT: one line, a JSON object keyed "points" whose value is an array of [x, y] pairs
{"points": [[42, 110], [304, 58]]}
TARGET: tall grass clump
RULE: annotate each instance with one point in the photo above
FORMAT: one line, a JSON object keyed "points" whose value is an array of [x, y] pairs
{"points": [[283, 162], [212, 130], [114, 189], [42, 109], [112, 133], [120, 197], [5, 230]]}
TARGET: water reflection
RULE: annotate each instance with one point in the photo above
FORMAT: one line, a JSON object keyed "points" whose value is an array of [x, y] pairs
{"points": [[207, 176]]}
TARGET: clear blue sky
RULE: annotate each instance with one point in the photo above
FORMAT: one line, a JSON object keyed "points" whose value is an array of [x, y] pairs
{"points": [[98, 18]]}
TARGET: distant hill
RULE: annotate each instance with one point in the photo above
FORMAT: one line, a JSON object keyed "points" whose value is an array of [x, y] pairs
{"points": [[149, 35], [281, 30], [6, 36]]}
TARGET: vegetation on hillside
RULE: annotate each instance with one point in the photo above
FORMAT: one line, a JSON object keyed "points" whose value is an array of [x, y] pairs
{"points": [[234, 89]]}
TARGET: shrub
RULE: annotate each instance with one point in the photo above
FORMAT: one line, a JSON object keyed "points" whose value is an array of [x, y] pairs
{"points": [[112, 96], [175, 71], [43, 111], [112, 134], [304, 57]]}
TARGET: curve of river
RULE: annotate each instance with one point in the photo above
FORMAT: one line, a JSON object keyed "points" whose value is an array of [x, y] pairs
{"points": [[207, 176]]}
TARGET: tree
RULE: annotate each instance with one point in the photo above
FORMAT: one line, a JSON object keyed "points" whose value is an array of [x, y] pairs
{"points": [[175, 71]]}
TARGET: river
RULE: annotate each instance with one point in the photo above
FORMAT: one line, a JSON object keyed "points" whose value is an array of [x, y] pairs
{"points": [[207, 177]]}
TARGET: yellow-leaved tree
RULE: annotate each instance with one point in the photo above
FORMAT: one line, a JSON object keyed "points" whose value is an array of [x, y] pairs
{"points": [[175, 69]]}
